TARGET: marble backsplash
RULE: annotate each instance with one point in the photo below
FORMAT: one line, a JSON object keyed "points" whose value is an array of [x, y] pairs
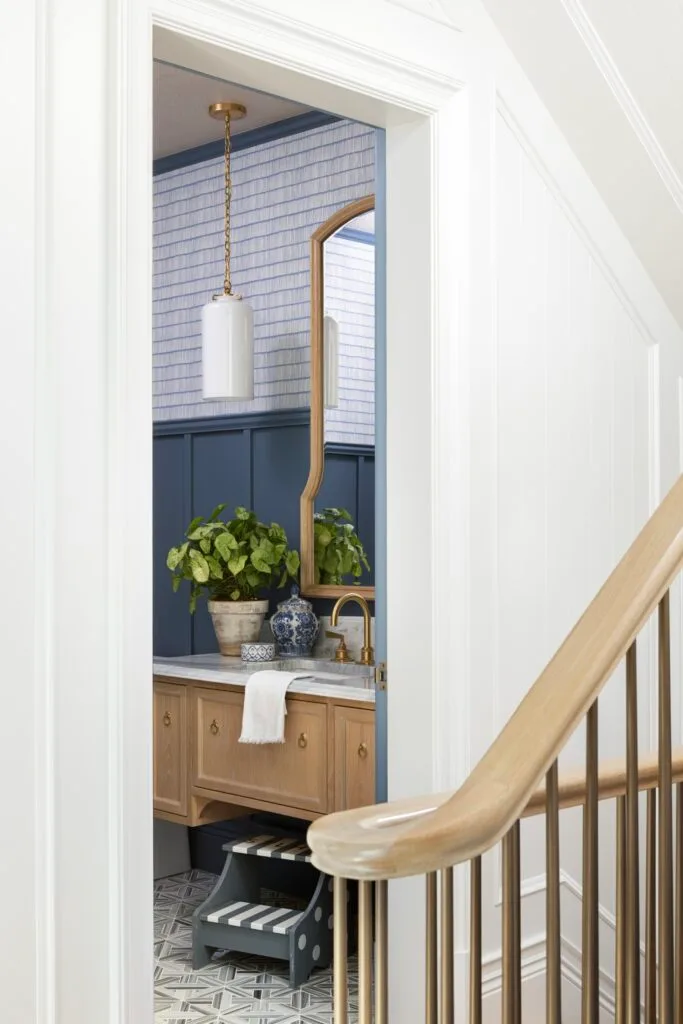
{"points": [[350, 625]]}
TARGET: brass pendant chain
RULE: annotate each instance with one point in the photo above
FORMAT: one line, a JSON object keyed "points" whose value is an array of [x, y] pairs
{"points": [[227, 283]]}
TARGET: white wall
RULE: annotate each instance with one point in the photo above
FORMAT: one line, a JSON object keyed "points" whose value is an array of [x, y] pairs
{"points": [[574, 437]]}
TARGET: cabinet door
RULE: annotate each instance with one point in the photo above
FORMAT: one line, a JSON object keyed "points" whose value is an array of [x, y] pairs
{"points": [[170, 748], [290, 774], [354, 757]]}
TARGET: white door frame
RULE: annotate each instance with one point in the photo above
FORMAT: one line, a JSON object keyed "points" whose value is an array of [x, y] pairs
{"points": [[91, 455]]}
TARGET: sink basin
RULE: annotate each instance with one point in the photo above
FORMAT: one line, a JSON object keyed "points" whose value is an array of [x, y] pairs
{"points": [[323, 666]]}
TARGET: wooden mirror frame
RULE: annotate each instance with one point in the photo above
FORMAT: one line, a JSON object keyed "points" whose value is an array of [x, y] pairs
{"points": [[317, 428]]}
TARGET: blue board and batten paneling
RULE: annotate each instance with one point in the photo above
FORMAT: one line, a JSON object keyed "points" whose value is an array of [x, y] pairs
{"points": [[260, 461]]}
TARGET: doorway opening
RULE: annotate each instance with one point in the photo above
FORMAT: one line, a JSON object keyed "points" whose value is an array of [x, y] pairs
{"points": [[293, 169]]}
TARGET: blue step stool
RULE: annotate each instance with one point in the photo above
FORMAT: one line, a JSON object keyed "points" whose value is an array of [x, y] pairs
{"points": [[236, 917]]}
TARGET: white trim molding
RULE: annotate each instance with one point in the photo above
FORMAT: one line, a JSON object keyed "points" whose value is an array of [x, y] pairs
{"points": [[579, 18]]}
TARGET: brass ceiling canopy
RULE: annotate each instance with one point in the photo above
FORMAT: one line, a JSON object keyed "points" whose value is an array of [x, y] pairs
{"points": [[235, 111]]}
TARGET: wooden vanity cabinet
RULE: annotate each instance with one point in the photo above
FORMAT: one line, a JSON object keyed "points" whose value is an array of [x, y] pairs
{"points": [[203, 773], [170, 748], [293, 773], [354, 757]]}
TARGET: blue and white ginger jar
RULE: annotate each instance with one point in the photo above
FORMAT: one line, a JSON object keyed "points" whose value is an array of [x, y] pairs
{"points": [[295, 626]]}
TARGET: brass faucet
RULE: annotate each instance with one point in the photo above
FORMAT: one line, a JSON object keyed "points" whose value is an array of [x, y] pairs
{"points": [[367, 654]]}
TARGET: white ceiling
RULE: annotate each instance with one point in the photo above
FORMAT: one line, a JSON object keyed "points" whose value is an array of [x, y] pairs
{"points": [[610, 73], [181, 109]]}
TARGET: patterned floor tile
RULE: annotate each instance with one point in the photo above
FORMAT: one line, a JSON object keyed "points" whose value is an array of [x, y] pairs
{"points": [[236, 988]]}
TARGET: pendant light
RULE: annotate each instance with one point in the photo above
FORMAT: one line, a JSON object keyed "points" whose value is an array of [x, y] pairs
{"points": [[227, 321], [331, 361]]}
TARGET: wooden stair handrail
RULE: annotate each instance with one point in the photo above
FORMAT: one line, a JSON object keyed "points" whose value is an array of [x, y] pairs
{"points": [[428, 833]]}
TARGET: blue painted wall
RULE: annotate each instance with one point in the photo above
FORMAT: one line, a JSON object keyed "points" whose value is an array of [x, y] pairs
{"points": [[260, 461]]}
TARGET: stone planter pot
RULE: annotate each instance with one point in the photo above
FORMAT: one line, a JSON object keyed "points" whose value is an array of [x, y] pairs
{"points": [[237, 623]]}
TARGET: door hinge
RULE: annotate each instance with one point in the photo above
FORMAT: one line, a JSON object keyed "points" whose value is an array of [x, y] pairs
{"points": [[381, 675]]}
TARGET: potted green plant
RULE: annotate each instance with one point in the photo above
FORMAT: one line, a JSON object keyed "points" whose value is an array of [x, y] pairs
{"points": [[338, 551], [233, 563]]}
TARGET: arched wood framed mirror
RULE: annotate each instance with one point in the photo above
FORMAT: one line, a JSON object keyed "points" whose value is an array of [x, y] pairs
{"points": [[341, 474]]}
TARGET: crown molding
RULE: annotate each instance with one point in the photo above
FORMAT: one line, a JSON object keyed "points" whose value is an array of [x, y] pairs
{"points": [[604, 62], [431, 9]]}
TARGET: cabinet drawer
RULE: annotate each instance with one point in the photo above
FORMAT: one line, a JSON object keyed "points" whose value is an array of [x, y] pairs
{"points": [[170, 748], [354, 757], [293, 773]]}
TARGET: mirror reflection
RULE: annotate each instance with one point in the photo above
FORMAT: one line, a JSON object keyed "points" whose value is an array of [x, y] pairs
{"points": [[344, 506]]}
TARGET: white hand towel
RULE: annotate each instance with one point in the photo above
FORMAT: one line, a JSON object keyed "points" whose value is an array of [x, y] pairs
{"points": [[263, 718]]}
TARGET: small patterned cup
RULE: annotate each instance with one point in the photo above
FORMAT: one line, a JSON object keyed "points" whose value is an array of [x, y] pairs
{"points": [[253, 653]]}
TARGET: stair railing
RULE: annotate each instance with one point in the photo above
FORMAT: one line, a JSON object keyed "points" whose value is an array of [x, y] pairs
{"points": [[519, 777]]}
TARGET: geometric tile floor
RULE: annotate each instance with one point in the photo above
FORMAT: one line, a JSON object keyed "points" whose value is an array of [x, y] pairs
{"points": [[236, 988]]}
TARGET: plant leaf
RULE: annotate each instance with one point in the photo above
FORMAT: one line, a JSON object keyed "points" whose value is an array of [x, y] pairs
{"points": [[225, 544], [237, 563], [216, 512], [194, 524], [200, 567]]}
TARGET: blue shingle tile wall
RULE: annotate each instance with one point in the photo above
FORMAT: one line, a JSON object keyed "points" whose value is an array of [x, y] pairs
{"points": [[282, 191]]}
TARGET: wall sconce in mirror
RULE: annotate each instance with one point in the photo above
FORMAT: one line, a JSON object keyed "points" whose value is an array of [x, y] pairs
{"points": [[227, 321], [331, 361]]}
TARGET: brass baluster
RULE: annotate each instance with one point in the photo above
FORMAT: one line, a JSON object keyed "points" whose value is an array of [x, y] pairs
{"points": [[431, 952], [620, 901], [553, 981], [651, 910], [341, 986], [447, 1009], [475, 941], [665, 864], [632, 872], [381, 954], [590, 950], [365, 953], [678, 925], [511, 928]]}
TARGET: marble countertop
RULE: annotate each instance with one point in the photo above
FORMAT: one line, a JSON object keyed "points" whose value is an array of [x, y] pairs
{"points": [[213, 668]]}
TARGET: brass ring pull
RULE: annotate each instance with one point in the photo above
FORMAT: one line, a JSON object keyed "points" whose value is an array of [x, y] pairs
{"points": [[167, 718], [303, 740], [215, 729], [363, 750]]}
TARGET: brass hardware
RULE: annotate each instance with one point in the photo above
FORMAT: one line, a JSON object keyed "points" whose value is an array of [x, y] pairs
{"points": [[622, 938], [303, 740], [227, 112], [167, 718], [678, 919], [365, 953], [340, 967], [341, 654], [215, 728], [475, 942], [590, 951], [431, 953], [446, 1009], [381, 954], [665, 865], [367, 654], [362, 750], [381, 676], [651, 910], [511, 928], [553, 981], [631, 872]]}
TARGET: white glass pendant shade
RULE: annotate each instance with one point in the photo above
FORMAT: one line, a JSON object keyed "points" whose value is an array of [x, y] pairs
{"points": [[331, 361], [228, 349]]}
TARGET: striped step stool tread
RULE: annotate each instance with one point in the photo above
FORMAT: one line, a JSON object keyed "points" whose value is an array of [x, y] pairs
{"points": [[277, 847], [260, 917]]}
